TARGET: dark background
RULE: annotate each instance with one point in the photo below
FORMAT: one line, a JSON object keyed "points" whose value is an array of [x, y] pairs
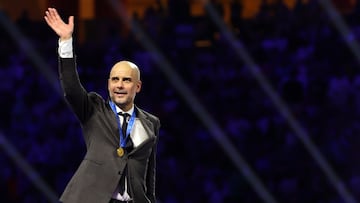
{"points": [[300, 52]]}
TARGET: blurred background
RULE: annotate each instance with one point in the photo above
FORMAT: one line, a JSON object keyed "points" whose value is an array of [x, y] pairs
{"points": [[259, 100]]}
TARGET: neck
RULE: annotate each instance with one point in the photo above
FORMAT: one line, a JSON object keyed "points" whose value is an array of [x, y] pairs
{"points": [[125, 107]]}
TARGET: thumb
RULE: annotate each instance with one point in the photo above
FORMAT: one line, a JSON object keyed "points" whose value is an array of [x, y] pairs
{"points": [[71, 21]]}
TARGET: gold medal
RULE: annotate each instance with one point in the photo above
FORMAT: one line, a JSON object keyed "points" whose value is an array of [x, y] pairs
{"points": [[120, 151]]}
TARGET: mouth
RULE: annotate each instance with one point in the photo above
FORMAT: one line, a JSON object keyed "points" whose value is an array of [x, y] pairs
{"points": [[120, 93]]}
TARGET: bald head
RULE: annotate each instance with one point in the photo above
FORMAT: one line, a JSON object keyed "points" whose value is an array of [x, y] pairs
{"points": [[126, 66]]}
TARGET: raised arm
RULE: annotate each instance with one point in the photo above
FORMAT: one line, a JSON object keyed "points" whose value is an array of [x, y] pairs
{"points": [[63, 30], [74, 92]]}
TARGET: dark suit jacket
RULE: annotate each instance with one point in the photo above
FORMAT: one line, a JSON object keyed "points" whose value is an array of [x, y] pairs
{"points": [[99, 173]]}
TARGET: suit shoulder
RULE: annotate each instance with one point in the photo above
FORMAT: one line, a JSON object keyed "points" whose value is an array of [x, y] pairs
{"points": [[95, 95], [149, 115], [96, 98]]}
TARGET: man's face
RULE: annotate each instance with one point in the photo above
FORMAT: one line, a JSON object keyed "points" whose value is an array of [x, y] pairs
{"points": [[123, 84]]}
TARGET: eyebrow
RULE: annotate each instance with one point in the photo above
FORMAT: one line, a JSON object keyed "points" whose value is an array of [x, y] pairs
{"points": [[117, 78]]}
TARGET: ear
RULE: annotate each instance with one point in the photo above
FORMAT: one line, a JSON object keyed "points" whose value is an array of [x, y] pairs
{"points": [[138, 86], [108, 84]]}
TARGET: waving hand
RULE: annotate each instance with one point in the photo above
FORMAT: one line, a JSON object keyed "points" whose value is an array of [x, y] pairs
{"points": [[62, 29]]}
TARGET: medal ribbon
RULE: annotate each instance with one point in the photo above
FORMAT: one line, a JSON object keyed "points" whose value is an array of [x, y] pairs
{"points": [[129, 127]]}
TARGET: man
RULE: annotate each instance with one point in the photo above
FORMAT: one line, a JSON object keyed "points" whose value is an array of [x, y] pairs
{"points": [[119, 166]]}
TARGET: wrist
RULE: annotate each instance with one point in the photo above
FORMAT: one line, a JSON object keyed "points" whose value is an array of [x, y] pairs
{"points": [[65, 38]]}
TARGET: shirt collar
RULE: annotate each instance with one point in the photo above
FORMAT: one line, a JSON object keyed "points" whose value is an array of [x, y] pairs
{"points": [[118, 110]]}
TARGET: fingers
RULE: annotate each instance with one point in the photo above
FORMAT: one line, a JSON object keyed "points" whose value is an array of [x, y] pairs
{"points": [[49, 16], [54, 13], [52, 16]]}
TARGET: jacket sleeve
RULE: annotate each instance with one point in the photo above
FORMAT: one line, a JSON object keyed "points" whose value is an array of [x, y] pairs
{"points": [[75, 94], [150, 182]]}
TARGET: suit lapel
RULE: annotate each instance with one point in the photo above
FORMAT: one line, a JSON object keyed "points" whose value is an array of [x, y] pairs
{"points": [[148, 126], [113, 123]]}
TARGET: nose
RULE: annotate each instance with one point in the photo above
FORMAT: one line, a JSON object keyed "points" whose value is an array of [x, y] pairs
{"points": [[120, 84]]}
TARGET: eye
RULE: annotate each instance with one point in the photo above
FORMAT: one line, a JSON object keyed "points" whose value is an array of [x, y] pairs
{"points": [[114, 79], [126, 79]]}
